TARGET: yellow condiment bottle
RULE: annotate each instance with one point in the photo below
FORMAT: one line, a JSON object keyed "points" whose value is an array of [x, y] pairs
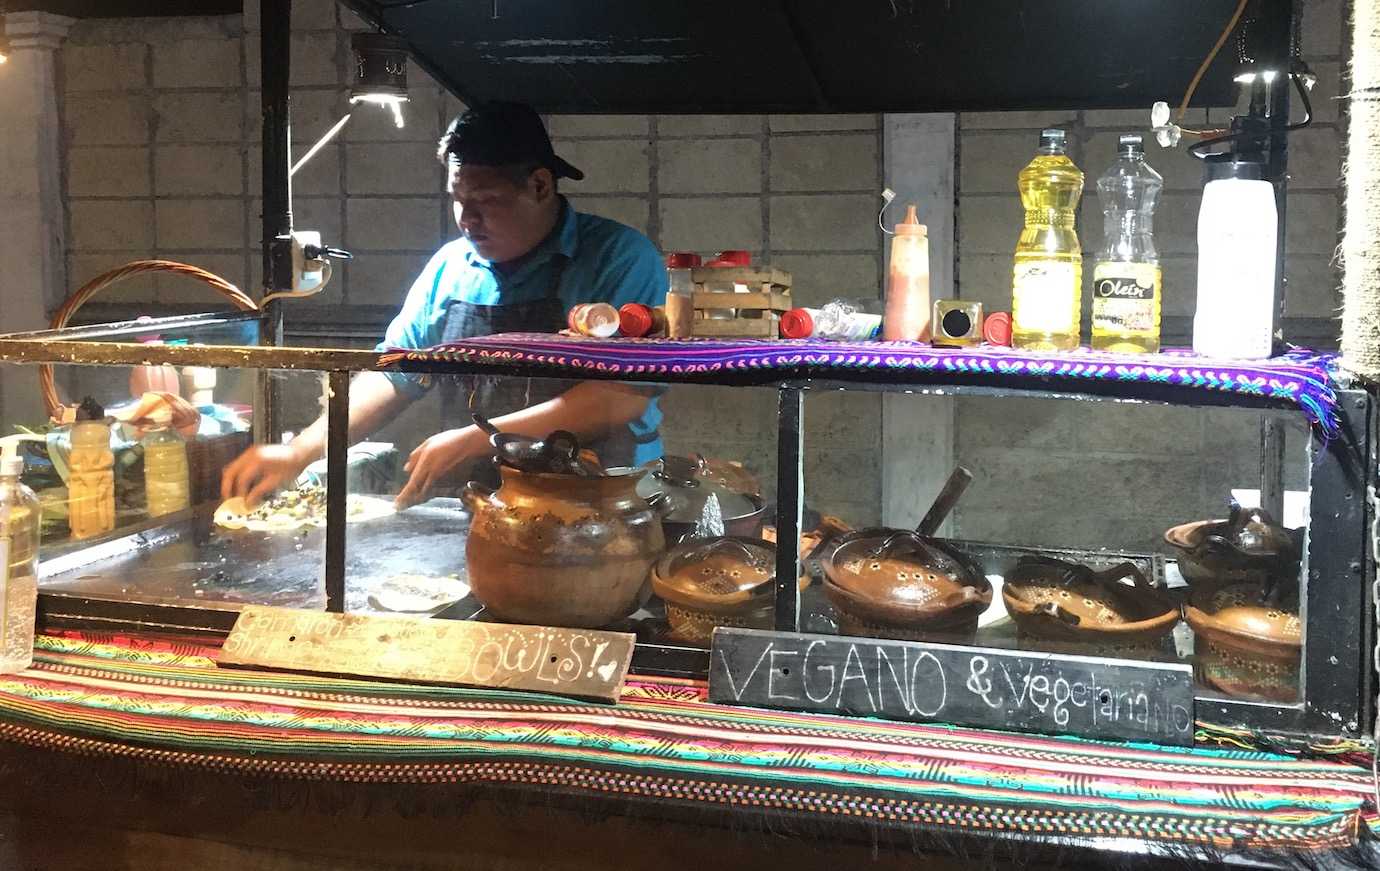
{"points": [[1047, 281], [166, 482], [91, 485]]}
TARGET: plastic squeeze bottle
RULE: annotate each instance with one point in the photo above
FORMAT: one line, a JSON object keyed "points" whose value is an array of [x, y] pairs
{"points": [[1237, 223], [19, 530], [1126, 279], [907, 316], [91, 488], [1047, 281], [166, 482]]}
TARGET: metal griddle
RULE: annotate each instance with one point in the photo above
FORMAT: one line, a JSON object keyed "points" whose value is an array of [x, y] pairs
{"points": [[185, 557]]}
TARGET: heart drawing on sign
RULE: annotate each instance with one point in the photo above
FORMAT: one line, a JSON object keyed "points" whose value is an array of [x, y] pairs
{"points": [[606, 670]]}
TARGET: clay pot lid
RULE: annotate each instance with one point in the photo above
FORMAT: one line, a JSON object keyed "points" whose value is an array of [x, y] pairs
{"points": [[905, 574], [1118, 600], [682, 491], [716, 573], [728, 474], [1247, 537], [1249, 612]]}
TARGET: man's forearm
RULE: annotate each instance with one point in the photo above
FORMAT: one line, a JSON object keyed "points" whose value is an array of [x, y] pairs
{"points": [[373, 401], [589, 410]]}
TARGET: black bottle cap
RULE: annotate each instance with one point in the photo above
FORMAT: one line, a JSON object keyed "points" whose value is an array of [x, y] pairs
{"points": [[90, 409]]}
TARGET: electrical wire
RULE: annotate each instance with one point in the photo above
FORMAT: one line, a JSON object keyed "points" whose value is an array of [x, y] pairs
{"points": [[1207, 61]]}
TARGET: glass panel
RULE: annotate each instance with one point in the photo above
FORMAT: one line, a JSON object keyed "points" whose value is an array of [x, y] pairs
{"points": [[1093, 485], [568, 549], [130, 503], [230, 329]]}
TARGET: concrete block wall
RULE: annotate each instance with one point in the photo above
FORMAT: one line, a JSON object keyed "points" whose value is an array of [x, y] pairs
{"points": [[1061, 473], [163, 158]]}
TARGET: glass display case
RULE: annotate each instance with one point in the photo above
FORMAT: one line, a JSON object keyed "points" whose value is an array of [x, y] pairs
{"points": [[1099, 520]]}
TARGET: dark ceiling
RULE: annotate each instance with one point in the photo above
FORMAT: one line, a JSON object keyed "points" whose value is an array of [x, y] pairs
{"points": [[126, 8], [817, 55]]}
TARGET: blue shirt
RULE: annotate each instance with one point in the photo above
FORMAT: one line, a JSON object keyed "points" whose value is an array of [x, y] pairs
{"points": [[606, 262]]}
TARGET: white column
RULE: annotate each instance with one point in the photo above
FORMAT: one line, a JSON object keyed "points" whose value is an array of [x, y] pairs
{"points": [[918, 432], [32, 268]]}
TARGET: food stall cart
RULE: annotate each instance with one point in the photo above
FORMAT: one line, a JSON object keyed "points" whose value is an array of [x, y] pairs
{"points": [[130, 685]]}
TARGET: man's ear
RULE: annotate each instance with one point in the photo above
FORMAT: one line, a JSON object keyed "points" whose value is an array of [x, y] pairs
{"points": [[542, 183]]}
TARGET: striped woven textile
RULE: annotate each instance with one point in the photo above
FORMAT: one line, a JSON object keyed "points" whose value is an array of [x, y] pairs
{"points": [[167, 703], [1301, 377]]}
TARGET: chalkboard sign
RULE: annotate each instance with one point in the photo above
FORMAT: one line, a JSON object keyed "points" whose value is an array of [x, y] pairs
{"points": [[575, 662], [967, 686]]}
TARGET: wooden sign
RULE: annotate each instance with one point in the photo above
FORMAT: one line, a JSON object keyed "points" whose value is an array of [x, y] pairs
{"points": [[573, 662], [967, 686]]}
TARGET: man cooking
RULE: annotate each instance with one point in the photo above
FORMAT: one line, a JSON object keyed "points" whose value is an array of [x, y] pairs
{"points": [[525, 257]]}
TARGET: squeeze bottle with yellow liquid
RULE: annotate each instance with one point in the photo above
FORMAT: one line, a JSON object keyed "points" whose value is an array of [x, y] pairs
{"points": [[1126, 285], [1047, 281], [91, 485]]}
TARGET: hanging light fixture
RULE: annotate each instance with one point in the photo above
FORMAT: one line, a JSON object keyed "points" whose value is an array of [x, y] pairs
{"points": [[380, 71], [380, 79]]}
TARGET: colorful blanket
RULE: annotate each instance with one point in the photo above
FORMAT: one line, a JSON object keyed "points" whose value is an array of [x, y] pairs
{"points": [[169, 704], [1302, 378]]}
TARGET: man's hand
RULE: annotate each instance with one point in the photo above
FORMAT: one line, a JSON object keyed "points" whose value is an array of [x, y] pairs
{"points": [[435, 457], [259, 471]]}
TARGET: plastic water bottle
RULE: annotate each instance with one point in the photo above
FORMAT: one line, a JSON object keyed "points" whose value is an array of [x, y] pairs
{"points": [[1126, 278], [1237, 227]]}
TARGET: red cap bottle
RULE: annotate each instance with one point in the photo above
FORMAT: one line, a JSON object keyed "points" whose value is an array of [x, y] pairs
{"points": [[797, 323]]}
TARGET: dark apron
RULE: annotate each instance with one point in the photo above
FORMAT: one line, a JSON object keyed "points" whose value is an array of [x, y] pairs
{"points": [[495, 396]]}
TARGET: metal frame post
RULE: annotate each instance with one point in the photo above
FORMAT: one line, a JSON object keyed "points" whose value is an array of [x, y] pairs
{"points": [[275, 54], [337, 485], [790, 500]]}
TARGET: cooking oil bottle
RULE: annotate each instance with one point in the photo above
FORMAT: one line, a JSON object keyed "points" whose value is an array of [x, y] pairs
{"points": [[1047, 283], [19, 530], [1126, 279]]}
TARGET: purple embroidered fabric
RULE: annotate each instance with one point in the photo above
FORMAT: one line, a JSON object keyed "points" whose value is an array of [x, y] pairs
{"points": [[1300, 377]]}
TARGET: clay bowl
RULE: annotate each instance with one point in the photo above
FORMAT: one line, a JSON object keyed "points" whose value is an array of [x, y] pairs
{"points": [[727, 581], [887, 583], [1246, 644], [1059, 606]]}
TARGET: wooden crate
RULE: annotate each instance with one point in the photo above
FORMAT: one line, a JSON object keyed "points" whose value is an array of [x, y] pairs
{"points": [[758, 310]]}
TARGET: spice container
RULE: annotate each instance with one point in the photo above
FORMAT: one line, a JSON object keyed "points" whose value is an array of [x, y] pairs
{"points": [[908, 283], [637, 320], [597, 319]]}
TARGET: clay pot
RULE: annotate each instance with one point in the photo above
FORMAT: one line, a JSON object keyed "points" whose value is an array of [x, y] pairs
{"points": [[560, 550], [1247, 642], [1246, 546], [887, 583], [1066, 607], [679, 487], [727, 581]]}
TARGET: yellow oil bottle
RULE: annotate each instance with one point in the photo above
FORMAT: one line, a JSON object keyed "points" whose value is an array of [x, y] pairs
{"points": [[1047, 281]]}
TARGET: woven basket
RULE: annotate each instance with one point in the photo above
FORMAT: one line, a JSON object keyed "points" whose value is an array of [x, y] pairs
{"points": [[207, 456]]}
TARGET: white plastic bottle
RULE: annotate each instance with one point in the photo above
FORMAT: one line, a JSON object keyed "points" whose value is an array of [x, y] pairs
{"points": [[19, 530], [1237, 227]]}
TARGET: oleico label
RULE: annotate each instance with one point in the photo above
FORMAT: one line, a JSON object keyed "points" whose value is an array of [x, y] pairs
{"points": [[1126, 298]]}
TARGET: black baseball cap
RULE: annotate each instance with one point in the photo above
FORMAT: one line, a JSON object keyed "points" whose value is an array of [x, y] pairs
{"points": [[501, 133]]}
